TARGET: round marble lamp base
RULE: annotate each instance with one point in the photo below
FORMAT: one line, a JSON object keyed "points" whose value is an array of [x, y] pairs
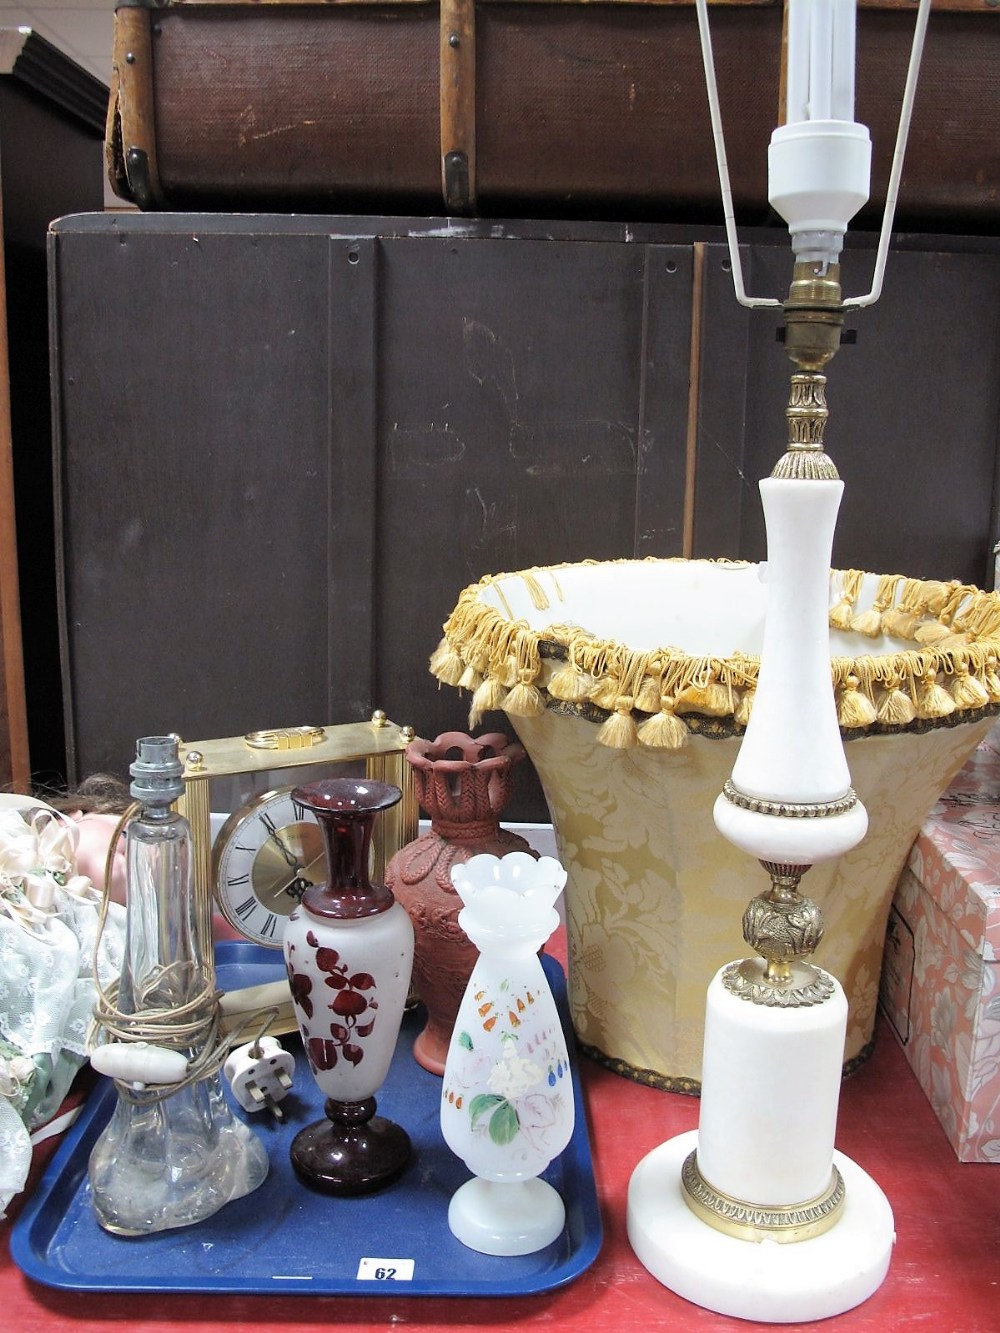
{"points": [[506, 1219], [773, 1283]]}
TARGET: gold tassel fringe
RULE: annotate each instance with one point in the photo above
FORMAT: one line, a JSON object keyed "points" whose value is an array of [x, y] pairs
{"points": [[967, 691], [933, 700], [850, 586], [954, 662], [854, 709], [446, 664], [570, 685], [619, 732], [664, 730], [487, 699]]}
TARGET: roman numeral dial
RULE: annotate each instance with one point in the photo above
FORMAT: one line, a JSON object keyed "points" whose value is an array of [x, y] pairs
{"points": [[266, 855]]}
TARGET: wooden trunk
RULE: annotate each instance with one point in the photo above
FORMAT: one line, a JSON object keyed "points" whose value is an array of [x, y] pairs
{"points": [[526, 108]]}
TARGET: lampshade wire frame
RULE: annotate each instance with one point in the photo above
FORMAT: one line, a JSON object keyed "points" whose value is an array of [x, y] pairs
{"points": [[736, 263], [895, 173]]}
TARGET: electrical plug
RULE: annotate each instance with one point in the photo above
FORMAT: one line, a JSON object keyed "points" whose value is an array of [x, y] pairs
{"points": [[260, 1075]]}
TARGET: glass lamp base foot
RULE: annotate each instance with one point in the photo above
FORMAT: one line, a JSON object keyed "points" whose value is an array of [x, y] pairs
{"points": [[506, 1219], [188, 1180], [350, 1159]]}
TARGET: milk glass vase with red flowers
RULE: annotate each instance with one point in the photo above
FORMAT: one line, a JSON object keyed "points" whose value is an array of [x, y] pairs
{"points": [[507, 1096], [349, 952]]}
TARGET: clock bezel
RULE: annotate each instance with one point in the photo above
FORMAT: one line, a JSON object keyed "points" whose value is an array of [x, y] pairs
{"points": [[228, 848]]}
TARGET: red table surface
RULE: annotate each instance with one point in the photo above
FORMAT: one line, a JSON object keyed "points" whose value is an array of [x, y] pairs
{"points": [[944, 1276]]}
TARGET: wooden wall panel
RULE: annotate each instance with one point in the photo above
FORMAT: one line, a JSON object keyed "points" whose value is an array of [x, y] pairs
{"points": [[285, 448], [531, 411], [14, 767], [193, 454], [286, 444], [51, 131]]}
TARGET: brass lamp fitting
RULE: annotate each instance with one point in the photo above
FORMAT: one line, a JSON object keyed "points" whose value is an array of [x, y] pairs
{"points": [[814, 315], [784, 928], [814, 319]]}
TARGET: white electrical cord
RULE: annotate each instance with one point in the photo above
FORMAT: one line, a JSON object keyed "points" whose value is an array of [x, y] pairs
{"points": [[896, 171]]}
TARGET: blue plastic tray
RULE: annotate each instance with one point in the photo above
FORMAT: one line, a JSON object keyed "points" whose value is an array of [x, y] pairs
{"points": [[286, 1238]]}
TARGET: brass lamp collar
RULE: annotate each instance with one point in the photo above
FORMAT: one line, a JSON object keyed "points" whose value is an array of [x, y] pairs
{"points": [[814, 320]]}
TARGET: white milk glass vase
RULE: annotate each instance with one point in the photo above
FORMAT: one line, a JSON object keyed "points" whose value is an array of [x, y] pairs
{"points": [[507, 1096]]}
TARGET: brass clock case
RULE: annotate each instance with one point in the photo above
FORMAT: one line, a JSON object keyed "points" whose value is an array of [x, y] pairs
{"points": [[274, 759]]}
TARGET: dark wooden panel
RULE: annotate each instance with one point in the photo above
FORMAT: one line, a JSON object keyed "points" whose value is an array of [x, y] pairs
{"points": [[193, 443], [510, 397], [593, 110], [276, 108], [287, 444], [581, 110], [352, 546], [51, 130], [721, 479], [664, 378], [531, 412], [13, 711], [321, 438], [951, 175]]}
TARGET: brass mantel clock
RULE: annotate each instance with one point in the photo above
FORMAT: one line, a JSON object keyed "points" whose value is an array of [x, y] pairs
{"points": [[268, 851]]}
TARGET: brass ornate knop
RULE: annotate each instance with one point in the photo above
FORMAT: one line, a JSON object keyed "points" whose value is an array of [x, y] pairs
{"points": [[785, 928], [807, 411], [807, 414]]}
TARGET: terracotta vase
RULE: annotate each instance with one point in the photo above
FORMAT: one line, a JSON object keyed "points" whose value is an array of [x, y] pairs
{"points": [[348, 948], [464, 785]]}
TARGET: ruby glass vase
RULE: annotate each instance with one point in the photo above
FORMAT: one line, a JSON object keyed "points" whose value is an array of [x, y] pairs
{"points": [[349, 951]]}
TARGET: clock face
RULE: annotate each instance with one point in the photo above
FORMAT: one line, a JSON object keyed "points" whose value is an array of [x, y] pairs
{"points": [[266, 855]]}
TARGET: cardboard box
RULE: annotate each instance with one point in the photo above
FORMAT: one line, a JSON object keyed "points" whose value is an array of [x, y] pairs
{"points": [[941, 972]]}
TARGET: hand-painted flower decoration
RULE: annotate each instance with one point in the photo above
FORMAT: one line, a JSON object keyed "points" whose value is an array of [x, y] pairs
{"points": [[352, 1002]]}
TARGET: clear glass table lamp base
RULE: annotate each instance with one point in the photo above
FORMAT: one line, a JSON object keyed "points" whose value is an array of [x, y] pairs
{"points": [[144, 1183]]}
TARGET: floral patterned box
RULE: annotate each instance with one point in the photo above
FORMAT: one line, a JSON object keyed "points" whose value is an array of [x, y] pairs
{"points": [[941, 973]]}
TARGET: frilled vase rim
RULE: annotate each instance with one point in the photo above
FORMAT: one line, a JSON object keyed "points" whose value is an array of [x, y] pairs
{"points": [[509, 893], [428, 755]]}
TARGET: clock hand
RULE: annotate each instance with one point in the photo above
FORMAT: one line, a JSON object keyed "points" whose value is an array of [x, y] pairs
{"points": [[307, 877], [314, 870], [293, 888], [285, 851], [275, 837]]}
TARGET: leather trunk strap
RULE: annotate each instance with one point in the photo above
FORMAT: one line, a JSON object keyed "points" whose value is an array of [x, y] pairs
{"points": [[458, 105], [130, 144]]}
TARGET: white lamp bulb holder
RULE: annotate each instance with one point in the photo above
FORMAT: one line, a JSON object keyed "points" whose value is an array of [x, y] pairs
{"points": [[819, 174]]}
